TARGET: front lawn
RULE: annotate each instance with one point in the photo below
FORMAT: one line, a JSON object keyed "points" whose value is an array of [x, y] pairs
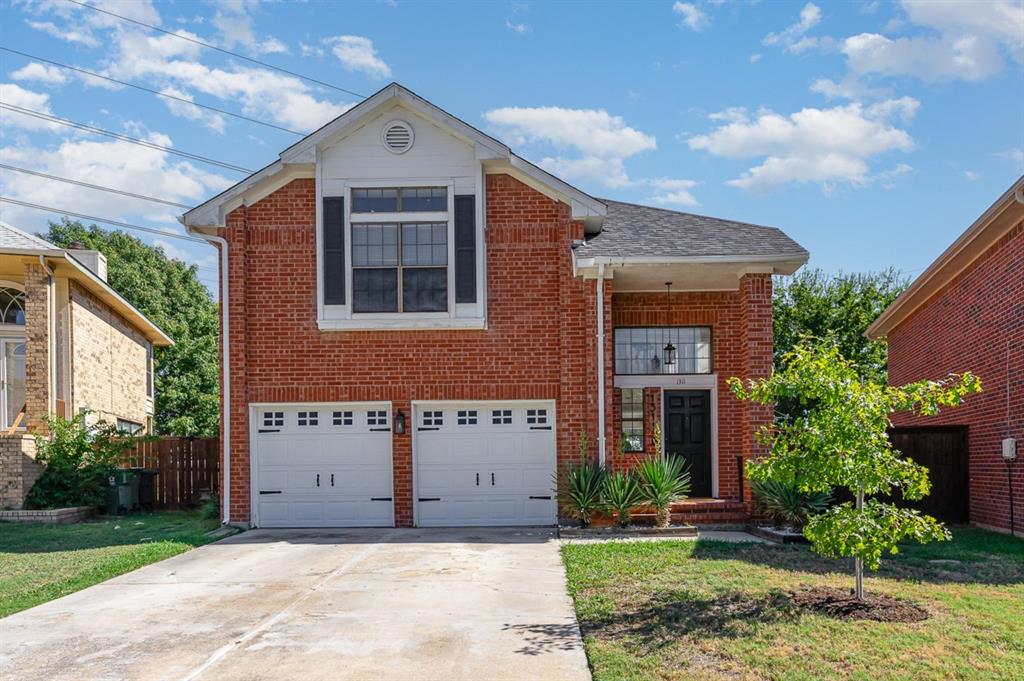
{"points": [[41, 562], [706, 609]]}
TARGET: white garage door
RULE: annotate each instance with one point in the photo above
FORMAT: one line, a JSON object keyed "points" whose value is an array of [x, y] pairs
{"points": [[485, 463], [323, 465]]}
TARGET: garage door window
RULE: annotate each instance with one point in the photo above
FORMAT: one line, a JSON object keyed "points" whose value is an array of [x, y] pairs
{"points": [[537, 417], [466, 417], [501, 417], [309, 418], [342, 418], [273, 418], [433, 418], [376, 418]]}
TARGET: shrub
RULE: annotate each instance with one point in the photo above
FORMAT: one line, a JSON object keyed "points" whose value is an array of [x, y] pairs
{"points": [[622, 492], [786, 505], [77, 461], [664, 481], [210, 509], [580, 490]]}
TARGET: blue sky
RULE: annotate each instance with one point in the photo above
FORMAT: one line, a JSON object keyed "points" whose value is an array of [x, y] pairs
{"points": [[873, 132]]}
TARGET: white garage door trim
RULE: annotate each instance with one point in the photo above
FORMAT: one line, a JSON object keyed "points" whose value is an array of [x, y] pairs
{"points": [[419, 406], [254, 427]]}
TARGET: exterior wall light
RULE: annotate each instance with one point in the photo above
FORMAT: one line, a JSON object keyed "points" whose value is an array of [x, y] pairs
{"points": [[400, 422], [670, 350]]}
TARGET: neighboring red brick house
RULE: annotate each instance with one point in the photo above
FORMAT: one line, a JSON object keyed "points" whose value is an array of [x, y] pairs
{"points": [[421, 323], [966, 313]]}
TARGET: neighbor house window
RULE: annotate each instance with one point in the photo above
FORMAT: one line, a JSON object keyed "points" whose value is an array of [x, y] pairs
{"points": [[642, 350], [129, 427], [12, 306], [400, 267], [633, 419]]}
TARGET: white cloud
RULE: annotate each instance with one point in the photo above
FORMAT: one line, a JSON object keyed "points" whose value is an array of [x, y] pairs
{"points": [[71, 36], [1016, 155], [972, 176], [41, 73], [356, 53], [691, 16], [272, 46], [967, 57], [1000, 19], [755, 57], [673, 192], [15, 95], [517, 27], [850, 87], [600, 141], [211, 119], [826, 146], [888, 177], [310, 50], [794, 37]]}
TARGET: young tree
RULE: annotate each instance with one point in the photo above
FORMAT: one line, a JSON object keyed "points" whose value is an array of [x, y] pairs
{"points": [[168, 292], [837, 438]]}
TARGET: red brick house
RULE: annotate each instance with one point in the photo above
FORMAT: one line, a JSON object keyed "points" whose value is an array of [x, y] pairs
{"points": [[420, 323], [966, 313]]}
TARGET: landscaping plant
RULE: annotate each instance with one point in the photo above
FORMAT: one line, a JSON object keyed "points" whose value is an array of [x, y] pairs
{"points": [[836, 437], [77, 460], [579, 487], [622, 492], [664, 480], [787, 505]]}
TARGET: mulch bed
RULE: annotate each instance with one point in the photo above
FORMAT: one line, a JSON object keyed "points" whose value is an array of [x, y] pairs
{"points": [[842, 605]]}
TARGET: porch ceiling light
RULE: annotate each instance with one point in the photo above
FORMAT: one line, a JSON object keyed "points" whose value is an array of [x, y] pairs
{"points": [[670, 350]]}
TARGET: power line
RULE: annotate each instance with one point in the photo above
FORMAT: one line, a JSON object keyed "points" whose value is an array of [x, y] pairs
{"points": [[218, 49], [151, 91], [94, 186], [124, 138], [126, 225]]}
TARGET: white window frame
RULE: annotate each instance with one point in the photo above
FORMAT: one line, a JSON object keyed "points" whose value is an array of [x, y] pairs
{"points": [[458, 316]]}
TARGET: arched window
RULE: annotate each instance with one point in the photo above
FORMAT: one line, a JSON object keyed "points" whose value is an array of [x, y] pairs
{"points": [[12, 306]]}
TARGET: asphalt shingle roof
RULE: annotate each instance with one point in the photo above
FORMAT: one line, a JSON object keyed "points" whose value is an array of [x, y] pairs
{"points": [[12, 237], [631, 230]]}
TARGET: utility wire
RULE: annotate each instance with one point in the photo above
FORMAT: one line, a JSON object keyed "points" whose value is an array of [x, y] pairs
{"points": [[124, 138], [151, 91], [68, 180], [218, 49], [126, 225]]}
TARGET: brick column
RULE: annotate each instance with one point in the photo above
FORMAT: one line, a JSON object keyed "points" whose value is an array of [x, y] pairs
{"points": [[37, 348], [757, 348]]}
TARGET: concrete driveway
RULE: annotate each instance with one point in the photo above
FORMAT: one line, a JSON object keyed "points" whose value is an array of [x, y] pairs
{"points": [[305, 604]]}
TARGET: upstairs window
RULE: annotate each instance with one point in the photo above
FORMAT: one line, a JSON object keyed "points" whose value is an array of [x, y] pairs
{"points": [[400, 200], [400, 267], [642, 350]]}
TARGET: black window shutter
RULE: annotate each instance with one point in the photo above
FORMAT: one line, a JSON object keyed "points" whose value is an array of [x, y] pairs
{"points": [[334, 250], [465, 249]]}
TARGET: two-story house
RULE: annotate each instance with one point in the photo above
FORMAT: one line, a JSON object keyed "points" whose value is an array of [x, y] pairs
{"points": [[419, 324]]}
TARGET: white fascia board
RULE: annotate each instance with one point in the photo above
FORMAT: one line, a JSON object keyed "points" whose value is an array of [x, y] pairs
{"points": [[776, 264]]}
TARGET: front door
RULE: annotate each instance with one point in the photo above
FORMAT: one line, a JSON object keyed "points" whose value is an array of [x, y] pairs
{"points": [[688, 435]]}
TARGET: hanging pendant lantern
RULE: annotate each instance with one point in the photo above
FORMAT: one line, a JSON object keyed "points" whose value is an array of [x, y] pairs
{"points": [[670, 350]]}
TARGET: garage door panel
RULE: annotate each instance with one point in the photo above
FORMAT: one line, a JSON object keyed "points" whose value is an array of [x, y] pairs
{"points": [[433, 481], [323, 467]]}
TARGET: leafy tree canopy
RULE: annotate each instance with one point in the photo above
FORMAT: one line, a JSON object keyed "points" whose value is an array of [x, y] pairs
{"points": [[168, 292], [839, 308], [836, 437]]}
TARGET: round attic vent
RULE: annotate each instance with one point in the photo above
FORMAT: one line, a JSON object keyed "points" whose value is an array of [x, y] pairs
{"points": [[397, 137]]}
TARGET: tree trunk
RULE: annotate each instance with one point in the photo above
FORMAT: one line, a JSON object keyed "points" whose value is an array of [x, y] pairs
{"points": [[858, 562], [662, 517]]}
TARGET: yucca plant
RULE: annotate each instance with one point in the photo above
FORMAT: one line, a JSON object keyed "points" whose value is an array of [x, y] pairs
{"points": [[786, 505], [622, 493], [664, 481], [579, 490]]}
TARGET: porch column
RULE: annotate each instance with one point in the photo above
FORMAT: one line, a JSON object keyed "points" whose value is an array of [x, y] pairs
{"points": [[757, 349], [38, 342]]}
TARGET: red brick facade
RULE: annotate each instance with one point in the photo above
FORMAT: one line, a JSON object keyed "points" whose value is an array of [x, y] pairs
{"points": [[975, 323], [540, 342]]}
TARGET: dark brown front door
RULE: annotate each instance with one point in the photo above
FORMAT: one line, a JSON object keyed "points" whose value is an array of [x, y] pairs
{"points": [[688, 435]]}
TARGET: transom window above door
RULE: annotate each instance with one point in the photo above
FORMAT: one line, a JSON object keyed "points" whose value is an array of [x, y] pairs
{"points": [[645, 350]]}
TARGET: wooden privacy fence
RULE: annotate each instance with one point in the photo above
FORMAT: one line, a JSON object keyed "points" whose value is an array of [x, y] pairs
{"points": [[189, 469]]}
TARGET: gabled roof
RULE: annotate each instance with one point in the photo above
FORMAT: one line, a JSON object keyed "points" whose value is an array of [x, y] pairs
{"points": [[636, 233], [17, 242], [1002, 216], [299, 159]]}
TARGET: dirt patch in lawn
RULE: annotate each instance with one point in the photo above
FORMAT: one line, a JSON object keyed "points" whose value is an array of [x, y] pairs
{"points": [[842, 605]]}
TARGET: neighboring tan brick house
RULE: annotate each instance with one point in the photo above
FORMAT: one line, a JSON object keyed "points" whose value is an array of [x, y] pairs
{"points": [[68, 343], [965, 312], [420, 324]]}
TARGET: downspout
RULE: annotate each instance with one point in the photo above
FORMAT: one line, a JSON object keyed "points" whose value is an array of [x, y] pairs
{"points": [[51, 400], [600, 366], [225, 493]]}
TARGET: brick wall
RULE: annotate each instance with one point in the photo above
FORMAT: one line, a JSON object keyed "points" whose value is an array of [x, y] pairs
{"points": [[18, 469], [539, 344], [976, 323], [741, 344], [37, 348], [108, 361]]}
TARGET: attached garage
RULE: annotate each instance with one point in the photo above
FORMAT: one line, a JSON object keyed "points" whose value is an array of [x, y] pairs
{"points": [[484, 463], [323, 465]]}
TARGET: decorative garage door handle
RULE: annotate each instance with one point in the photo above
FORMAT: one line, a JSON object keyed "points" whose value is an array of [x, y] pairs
{"points": [[270, 491], [540, 497], [385, 429], [317, 479], [382, 499], [270, 430], [540, 427], [332, 479], [430, 498], [492, 479], [425, 428], [477, 479]]}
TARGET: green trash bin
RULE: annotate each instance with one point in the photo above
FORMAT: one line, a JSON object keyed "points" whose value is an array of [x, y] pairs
{"points": [[112, 499], [127, 490]]}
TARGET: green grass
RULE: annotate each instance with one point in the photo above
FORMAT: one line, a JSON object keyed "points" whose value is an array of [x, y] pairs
{"points": [[41, 562], [708, 610]]}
